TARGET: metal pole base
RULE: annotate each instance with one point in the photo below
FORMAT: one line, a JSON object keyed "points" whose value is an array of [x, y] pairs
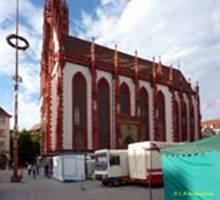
{"points": [[16, 179]]}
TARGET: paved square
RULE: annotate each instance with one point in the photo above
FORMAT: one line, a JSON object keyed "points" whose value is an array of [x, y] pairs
{"points": [[49, 189]]}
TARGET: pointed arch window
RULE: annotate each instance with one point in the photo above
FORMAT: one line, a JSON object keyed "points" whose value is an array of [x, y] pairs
{"points": [[124, 99], [161, 117], [144, 115], [192, 123], [104, 113], [176, 122], [79, 117], [184, 131]]}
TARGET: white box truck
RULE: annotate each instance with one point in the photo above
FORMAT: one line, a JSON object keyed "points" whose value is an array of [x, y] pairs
{"points": [[67, 168], [141, 163], [111, 166]]}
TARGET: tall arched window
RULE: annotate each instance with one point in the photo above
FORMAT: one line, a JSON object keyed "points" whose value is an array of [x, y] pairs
{"points": [[79, 117], [124, 99], [176, 122], [192, 123], [161, 117], [184, 122], [104, 114], [144, 115]]}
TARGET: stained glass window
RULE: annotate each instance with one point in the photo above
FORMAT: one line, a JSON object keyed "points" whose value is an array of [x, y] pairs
{"points": [[192, 124], [161, 117], [144, 115], [124, 99], [184, 122], [79, 111], [104, 114]]}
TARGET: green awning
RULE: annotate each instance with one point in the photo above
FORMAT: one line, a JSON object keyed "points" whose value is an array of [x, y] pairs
{"points": [[191, 170], [211, 144]]}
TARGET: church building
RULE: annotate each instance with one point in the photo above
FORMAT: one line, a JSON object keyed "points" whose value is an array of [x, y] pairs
{"points": [[94, 97]]}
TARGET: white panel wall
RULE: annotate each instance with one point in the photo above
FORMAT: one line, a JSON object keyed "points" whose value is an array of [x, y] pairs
{"points": [[69, 71], [148, 87], [108, 78], [168, 111], [131, 86]]}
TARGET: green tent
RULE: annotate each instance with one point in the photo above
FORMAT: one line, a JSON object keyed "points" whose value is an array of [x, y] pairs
{"points": [[192, 170]]}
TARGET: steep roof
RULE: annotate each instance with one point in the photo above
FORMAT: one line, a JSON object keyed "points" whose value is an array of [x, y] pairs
{"points": [[4, 113], [215, 123], [81, 48]]}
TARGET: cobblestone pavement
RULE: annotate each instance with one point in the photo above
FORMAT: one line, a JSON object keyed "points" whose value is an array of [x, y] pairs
{"points": [[49, 189]]}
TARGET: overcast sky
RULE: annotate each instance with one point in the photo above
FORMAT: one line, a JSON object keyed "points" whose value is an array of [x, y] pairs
{"points": [[183, 31]]}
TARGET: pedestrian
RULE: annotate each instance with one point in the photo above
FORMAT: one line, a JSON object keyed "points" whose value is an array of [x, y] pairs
{"points": [[46, 170], [34, 171], [29, 167], [38, 167]]}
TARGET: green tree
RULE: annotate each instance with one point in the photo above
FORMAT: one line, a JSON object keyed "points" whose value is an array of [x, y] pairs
{"points": [[28, 147]]}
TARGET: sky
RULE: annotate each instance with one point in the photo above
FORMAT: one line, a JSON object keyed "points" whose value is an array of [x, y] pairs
{"points": [[184, 31]]}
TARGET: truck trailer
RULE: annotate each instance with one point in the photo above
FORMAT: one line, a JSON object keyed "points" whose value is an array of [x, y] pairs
{"points": [[140, 163], [144, 161]]}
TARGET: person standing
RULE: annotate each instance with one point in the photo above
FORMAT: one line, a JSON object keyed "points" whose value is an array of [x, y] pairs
{"points": [[34, 171], [29, 167]]}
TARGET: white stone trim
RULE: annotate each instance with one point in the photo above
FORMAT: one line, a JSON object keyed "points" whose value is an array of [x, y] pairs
{"points": [[69, 71]]}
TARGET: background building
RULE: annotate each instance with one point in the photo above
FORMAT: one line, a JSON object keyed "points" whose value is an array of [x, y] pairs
{"points": [[4, 138], [210, 127], [94, 97]]}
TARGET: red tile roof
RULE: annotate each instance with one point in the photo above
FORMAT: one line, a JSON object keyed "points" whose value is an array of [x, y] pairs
{"points": [[81, 48], [215, 123]]}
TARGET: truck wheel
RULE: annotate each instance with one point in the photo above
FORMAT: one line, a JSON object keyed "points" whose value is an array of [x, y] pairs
{"points": [[116, 182], [105, 182]]}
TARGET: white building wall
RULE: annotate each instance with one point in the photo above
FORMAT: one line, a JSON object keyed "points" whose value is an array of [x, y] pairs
{"points": [[5, 127], [7, 138], [69, 71], [168, 111], [195, 105], [53, 111], [148, 87], [131, 85]]}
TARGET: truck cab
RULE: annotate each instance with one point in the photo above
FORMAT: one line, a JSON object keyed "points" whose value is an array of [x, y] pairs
{"points": [[111, 166]]}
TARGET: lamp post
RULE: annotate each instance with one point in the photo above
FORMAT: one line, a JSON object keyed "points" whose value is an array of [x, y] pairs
{"points": [[15, 176]]}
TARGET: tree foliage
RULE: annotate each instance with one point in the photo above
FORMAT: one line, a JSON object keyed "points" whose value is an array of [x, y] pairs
{"points": [[28, 147]]}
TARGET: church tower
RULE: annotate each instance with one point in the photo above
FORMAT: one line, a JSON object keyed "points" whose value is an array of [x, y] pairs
{"points": [[55, 27]]}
